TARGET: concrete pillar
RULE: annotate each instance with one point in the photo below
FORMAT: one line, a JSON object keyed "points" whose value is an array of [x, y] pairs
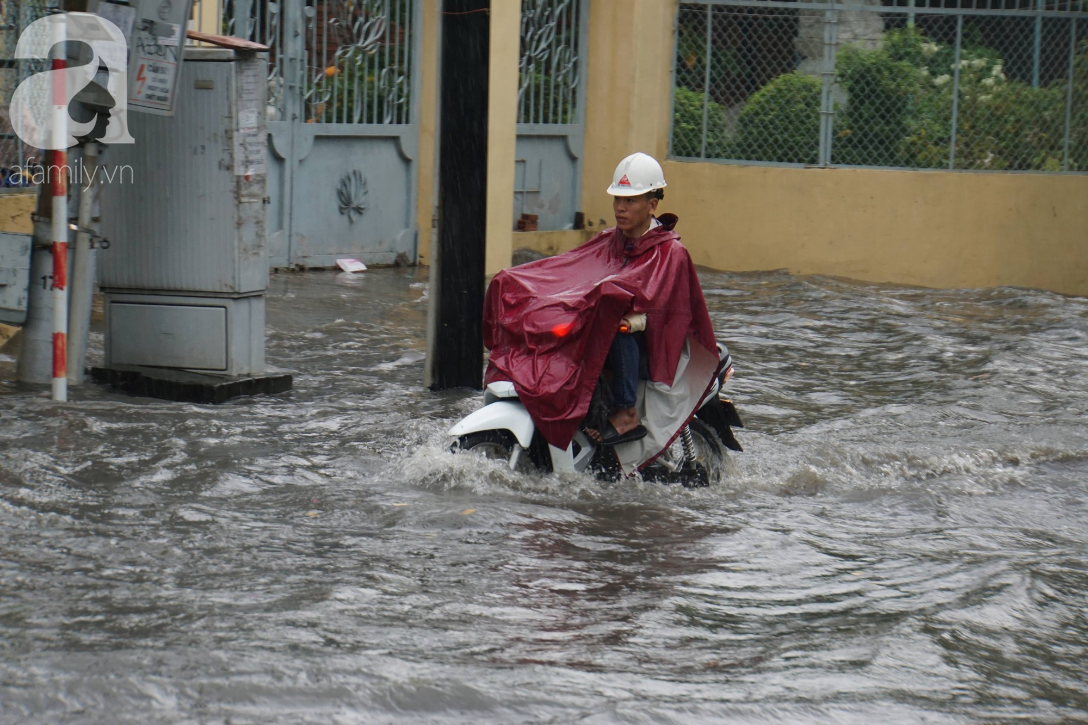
{"points": [[207, 14], [502, 137], [629, 92], [653, 35], [427, 199]]}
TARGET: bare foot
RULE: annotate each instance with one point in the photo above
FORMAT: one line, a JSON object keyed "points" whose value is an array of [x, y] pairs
{"points": [[624, 420]]}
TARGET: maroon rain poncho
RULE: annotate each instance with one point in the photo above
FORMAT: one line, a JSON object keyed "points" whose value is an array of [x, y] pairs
{"points": [[549, 324]]}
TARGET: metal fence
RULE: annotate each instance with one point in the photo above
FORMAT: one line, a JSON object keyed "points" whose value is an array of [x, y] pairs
{"points": [[989, 85], [15, 16]]}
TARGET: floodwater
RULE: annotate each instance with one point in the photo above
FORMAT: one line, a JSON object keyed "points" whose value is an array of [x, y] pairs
{"points": [[904, 539]]}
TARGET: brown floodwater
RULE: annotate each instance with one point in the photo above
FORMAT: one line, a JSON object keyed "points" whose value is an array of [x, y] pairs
{"points": [[904, 538]]}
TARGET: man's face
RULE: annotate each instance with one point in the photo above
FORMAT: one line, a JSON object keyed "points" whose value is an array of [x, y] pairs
{"points": [[633, 213]]}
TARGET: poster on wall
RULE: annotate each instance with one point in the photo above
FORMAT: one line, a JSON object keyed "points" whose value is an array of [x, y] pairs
{"points": [[250, 137]]}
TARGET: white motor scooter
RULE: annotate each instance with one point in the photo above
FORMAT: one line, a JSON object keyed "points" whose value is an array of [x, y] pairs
{"points": [[502, 429]]}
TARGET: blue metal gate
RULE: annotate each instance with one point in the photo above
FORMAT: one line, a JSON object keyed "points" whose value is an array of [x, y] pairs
{"points": [[343, 126], [551, 111]]}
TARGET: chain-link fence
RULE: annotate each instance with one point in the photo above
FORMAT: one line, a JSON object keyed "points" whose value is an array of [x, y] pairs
{"points": [[996, 85], [15, 16]]}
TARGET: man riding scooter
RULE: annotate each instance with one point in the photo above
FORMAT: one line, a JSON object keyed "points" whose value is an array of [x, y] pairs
{"points": [[628, 300], [634, 209]]}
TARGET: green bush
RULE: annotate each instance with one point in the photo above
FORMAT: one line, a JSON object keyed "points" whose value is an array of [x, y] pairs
{"points": [[1078, 129], [929, 130], [687, 126], [927, 111], [781, 122], [1015, 128], [882, 93], [908, 45], [898, 110]]}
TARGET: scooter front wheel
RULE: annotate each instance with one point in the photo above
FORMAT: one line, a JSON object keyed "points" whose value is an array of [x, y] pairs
{"points": [[496, 445]]}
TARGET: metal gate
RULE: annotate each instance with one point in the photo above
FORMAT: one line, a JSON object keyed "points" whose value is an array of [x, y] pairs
{"points": [[551, 111], [343, 126]]}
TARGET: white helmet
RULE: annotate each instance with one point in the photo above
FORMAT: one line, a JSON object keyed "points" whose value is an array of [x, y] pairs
{"points": [[637, 174]]}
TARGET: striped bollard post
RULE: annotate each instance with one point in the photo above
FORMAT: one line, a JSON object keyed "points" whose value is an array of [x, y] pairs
{"points": [[58, 187]]}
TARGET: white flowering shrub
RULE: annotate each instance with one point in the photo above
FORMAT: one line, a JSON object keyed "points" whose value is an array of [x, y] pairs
{"points": [[899, 101]]}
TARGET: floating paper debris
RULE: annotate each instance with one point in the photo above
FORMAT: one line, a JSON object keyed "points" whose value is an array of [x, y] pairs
{"points": [[351, 265]]}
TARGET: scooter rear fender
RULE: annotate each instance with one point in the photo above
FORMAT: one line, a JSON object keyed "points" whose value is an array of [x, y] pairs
{"points": [[501, 415]]}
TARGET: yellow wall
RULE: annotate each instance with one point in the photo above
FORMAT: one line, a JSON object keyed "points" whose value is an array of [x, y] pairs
{"points": [[15, 211], [502, 130], [935, 229], [551, 242]]}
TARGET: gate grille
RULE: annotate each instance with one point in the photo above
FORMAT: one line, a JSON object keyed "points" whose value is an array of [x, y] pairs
{"points": [[550, 65], [358, 58], [357, 55]]}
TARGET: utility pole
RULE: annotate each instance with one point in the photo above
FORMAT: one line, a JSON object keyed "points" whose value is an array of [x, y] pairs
{"points": [[455, 329]]}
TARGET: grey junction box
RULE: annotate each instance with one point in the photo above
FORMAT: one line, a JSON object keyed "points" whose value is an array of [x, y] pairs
{"points": [[14, 277], [183, 207]]}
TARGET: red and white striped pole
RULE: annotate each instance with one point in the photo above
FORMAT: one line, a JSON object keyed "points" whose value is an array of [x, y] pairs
{"points": [[58, 187]]}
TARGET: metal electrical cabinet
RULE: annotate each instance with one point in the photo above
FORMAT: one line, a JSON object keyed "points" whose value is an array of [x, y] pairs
{"points": [[183, 207], [14, 277]]}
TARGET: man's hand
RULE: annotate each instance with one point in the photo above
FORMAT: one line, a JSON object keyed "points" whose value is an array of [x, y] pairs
{"points": [[633, 322]]}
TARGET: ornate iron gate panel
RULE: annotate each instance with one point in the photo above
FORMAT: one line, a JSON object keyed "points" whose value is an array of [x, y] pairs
{"points": [[343, 126], [551, 111]]}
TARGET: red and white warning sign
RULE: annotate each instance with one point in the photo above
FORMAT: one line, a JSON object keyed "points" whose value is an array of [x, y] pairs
{"points": [[153, 81], [155, 54]]}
